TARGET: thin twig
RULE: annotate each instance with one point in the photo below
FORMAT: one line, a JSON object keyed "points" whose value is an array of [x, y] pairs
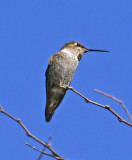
{"points": [[42, 152], [100, 105], [29, 134], [117, 100], [48, 143]]}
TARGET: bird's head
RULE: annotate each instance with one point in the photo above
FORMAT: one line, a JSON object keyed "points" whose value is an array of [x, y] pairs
{"points": [[78, 48]]}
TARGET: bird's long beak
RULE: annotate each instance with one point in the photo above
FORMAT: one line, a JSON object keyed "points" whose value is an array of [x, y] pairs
{"points": [[95, 50]]}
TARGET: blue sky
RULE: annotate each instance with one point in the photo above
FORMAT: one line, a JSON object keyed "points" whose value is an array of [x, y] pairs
{"points": [[32, 31]]}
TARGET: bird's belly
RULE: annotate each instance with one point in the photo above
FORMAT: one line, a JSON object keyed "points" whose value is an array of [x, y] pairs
{"points": [[67, 74], [57, 90], [62, 72]]}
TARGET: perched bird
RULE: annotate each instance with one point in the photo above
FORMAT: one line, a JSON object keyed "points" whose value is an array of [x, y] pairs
{"points": [[59, 73]]}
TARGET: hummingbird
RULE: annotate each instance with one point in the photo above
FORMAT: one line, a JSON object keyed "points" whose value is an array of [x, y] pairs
{"points": [[59, 74]]}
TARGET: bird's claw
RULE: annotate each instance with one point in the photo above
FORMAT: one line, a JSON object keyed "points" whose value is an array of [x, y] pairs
{"points": [[65, 87]]}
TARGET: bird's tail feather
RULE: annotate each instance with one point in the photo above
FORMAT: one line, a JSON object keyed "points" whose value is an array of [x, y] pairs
{"points": [[48, 114]]}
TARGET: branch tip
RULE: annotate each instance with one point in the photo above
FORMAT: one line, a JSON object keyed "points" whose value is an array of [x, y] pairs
{"points": [[102, 106], [117, 100], [31, 136], [1, 109]]}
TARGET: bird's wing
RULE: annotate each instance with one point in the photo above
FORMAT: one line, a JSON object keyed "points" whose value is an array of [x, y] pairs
{"points": [[55, 70], [50, 62], [47, 75], [51, 74]]}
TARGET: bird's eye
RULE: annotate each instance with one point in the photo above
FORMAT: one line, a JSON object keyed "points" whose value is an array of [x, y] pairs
{"points": [[79, 45]]}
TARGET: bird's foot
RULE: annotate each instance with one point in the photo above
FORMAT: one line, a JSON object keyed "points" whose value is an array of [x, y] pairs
{"points": [[65, 87]]}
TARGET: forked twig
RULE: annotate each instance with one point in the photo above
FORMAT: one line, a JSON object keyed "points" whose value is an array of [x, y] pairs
{"points": [[48, 143], [56, 155], [117, 100], [100, 105], [42, 152]]}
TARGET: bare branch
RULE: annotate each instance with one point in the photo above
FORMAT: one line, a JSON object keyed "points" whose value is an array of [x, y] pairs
{"points": [[42, 152], [48, 143], [29, 134], [100, 105], [54, 154], [117, 100]]}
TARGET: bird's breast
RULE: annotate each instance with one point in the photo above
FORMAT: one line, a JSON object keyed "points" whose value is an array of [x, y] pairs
{"points": [[62, 69]]}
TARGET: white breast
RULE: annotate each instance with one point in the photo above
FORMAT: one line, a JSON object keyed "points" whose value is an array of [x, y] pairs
{"points": [[69, 53]]}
